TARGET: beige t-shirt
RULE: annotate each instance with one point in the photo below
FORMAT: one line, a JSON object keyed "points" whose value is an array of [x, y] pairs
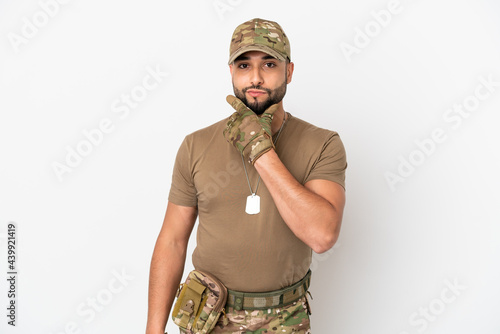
{"points": [[252, 253]]}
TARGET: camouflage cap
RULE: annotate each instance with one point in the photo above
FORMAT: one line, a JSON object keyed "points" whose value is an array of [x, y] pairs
{"points": [[259, 35]]}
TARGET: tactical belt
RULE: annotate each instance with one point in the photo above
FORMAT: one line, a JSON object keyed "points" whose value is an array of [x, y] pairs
{"points": [[264, 300]]}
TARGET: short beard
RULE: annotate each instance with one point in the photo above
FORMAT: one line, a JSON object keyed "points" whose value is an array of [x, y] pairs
{"points": [[275, 96]]}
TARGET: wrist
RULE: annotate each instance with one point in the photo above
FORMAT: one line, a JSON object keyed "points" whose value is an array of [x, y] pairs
{"points": [[259, 148], [263, 159]]}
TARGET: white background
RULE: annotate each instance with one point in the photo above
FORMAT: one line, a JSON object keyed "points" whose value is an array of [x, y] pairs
{"points": [[398, 247]]}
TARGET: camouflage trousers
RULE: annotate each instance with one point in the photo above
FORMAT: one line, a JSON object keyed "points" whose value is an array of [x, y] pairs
{"points": [[292, 318]]}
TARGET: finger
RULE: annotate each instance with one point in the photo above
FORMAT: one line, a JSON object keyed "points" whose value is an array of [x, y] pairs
{"points": [[270, 111], [236, 103]]}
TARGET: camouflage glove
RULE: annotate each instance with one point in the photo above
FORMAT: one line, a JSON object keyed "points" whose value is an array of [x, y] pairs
{"points": [[249, 133]]}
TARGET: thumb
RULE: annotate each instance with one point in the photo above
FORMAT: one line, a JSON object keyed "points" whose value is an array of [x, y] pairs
{"points": [[236, 104]]}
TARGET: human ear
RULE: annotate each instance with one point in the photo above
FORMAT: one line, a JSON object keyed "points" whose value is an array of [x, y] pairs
{"points": [[289, 72]]}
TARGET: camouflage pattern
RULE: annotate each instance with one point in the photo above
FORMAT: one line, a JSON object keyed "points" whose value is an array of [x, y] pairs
{"points": [[249, 133], [265, 300], [204, 318], [293, 318], [260, 35]]}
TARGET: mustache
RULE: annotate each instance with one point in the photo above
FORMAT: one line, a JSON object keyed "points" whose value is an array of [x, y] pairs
{"points": [[267, 90]]}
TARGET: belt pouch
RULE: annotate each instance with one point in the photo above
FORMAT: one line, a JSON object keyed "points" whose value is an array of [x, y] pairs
{"points": [[200, 302]]}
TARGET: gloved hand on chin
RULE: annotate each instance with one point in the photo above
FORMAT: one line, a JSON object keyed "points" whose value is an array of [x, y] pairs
{"points": [[249, 133]]}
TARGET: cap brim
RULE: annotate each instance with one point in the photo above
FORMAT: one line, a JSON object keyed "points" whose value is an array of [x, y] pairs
{"points": [[256, 47]]}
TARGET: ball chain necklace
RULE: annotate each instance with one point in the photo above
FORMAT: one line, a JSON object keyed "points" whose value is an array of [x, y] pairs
{"points": [[253, 201]]}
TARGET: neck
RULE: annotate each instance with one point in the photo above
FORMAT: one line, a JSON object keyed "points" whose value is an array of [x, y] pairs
{"points": [[278, 118]]}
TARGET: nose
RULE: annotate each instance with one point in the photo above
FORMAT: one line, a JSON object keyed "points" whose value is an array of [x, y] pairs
{"points": [[256, 78]]}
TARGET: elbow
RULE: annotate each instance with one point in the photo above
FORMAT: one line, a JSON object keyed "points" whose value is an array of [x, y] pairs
{"points": [[328, 235], [327, 239], [326, 243]]}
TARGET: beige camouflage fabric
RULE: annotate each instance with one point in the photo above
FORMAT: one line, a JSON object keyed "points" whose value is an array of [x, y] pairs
{"points": [[210, 298], [293, 318], [249, 133], [259, 35]]}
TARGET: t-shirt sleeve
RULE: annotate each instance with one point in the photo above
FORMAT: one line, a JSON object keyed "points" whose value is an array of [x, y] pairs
{"points": [[183, 190], [331, 163]]}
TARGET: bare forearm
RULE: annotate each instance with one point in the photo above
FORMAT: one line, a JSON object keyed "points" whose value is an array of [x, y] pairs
{"points": [[310, 217], [167, 266]]}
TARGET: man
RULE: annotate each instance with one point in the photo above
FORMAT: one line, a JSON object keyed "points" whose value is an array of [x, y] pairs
{"points": [[264, 204]]}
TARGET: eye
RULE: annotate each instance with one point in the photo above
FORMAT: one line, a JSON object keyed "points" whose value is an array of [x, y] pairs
{"points": [[270, 65], [243, 66]]}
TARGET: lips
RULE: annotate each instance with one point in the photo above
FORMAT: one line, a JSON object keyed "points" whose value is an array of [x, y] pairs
{"points": [[255, 93]]}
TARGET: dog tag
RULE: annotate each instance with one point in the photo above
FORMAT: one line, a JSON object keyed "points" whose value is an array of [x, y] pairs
{"points": [[253, 204]]}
